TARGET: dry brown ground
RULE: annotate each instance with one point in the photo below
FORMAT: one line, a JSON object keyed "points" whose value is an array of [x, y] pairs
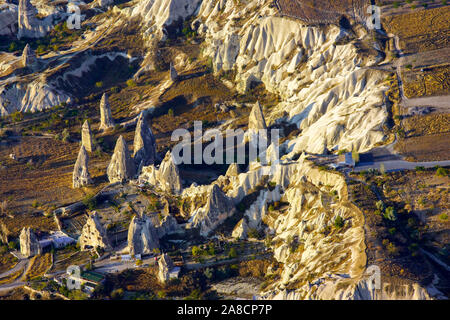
{"points": [[432, 81], [7, 262], [426, 137], [425, 148], [421, 30]]}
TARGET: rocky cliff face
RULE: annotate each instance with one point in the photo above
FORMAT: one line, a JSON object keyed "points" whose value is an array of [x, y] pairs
{"points": [[142, 236], [36, 95], [144, 144], [121, 168], [158, 14], [93, 234], [218, 207], [322, 83], [29, 243], [29, 25], [8, 19], [81, 176], [166, 177]]}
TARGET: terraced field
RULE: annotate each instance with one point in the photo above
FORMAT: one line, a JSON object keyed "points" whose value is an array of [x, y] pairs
{"points": [[323, 11]]}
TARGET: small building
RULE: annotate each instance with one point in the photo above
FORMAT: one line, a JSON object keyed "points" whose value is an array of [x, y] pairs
{"points": [[346, 160]]}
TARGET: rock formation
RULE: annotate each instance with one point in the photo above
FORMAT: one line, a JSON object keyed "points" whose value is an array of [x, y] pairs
{"points": [[240, 230], [93, 234], [86, 136], [29, 25], [28, 57], [165, 264], [29, 243], [167, 177], [106, 119], [81, 176], [217, 209], [142, 236], [173, 73], [169, 174], [256, 119], [8, 19], [105, 3], [121, 168], [233, 170], [144, 144]]}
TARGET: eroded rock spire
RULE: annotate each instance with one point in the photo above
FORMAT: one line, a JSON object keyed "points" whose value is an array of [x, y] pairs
{"points": [[106, 119], [144, 144], [121, 168], [81, 176], [28, 56], [256, 119], [86, 136]]}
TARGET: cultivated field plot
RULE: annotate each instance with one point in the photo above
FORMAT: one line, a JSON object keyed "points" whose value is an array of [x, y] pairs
{"points": [[67, 257], [430, 81], [419, 201], [7, 261], [420, 30], [323, 11], [426, 137], [38, 266]]}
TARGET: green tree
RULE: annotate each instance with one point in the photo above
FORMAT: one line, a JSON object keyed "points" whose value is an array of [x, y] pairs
{"points": [[390, 214], [196, 251], [232, 253]]}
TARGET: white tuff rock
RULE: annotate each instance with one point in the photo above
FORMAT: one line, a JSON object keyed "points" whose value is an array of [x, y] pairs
{"points": [[218, 208], [81, 176], [86, 136], [106, 119], [29, 243], [93, 234], [28, 57], [165, 264], [121, 168], [142, 236], [167, 177], [29, 25], [256, 119], [144, 144]]}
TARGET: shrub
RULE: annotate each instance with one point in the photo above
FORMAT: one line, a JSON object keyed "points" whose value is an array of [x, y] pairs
{"points": [[99, 84], [338, 222], [390, 214], [17, 116], [441, 172], [232, 253], [131, 83], [196, 251], [380, 205], [443, 217], [170, 112], [117, 294], [420, 169], [90, 201]]}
